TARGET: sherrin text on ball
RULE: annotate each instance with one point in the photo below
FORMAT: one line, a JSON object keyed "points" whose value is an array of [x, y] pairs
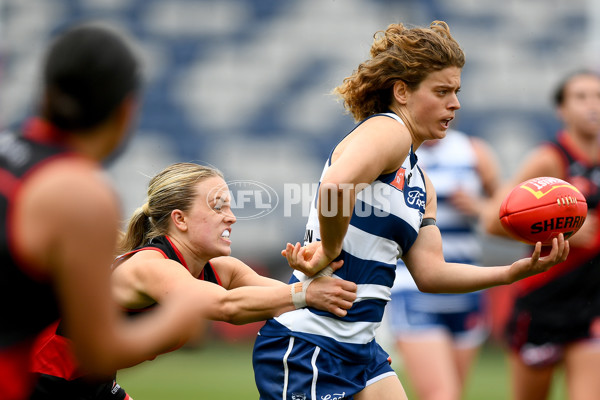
{"points": [[539, 209]]}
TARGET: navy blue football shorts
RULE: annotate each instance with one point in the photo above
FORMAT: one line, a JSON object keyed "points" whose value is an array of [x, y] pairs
{"points": [[414, 315], [290, 368]]}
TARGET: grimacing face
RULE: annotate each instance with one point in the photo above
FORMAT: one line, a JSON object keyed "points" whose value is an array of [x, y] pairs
{"points": [[210, 218]]}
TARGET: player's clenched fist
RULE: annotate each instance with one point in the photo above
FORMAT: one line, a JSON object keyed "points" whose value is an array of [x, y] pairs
{"points": [[332, 294]]}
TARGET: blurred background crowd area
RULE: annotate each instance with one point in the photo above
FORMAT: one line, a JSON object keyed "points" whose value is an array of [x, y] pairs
{"points": [[244, 85]]}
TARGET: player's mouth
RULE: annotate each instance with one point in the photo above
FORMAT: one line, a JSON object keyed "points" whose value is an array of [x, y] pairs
{"points": [[225, 235], [446, 122]]}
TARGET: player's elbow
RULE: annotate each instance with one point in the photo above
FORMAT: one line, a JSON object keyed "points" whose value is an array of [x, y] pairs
{"points": [[426, 283], [426, 287], [231, 312], [100, 362]]}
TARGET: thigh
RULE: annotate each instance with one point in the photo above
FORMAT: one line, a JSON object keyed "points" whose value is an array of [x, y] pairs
{"points": [[582, 363], [529, 383], [431, 366], [465, 357], [388, 388]]}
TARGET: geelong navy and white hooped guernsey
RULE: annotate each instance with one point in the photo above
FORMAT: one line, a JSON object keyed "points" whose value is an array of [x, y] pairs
{"points": [[384, 224], [451, 164]]}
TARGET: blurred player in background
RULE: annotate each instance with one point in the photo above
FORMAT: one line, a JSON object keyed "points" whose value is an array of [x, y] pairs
{"points": [[179, 242], [556, 315], [59, 217], [438, 335], [373, 205]]}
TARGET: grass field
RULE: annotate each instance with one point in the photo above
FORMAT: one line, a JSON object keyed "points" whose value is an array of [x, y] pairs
{"points": [[224, 371]]}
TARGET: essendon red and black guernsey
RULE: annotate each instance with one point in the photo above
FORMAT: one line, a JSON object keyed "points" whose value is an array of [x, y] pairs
{"points": [[27, 302]]}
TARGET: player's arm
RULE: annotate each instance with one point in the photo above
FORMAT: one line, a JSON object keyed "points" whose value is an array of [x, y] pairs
{"points": [[235, 273], [543, 161], [488, 167], [323, 293], [378, 145], [146, 275], [488, 171], [68, 229], [433, 274], [431, 202]]}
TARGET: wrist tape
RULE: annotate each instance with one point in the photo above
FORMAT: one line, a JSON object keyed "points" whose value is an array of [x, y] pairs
{"points": [[299, 293], [299, 289]]}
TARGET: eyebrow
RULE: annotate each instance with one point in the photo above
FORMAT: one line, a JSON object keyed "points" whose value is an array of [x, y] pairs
{"points": [[446, 86], [220, 198]]}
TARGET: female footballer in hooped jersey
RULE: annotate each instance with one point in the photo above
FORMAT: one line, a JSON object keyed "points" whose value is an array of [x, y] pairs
{"points": [[404, 94]]}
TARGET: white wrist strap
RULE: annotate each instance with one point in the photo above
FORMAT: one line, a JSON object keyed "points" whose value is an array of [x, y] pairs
{"points": [[327, 271], [299, 288], [299, 293]]}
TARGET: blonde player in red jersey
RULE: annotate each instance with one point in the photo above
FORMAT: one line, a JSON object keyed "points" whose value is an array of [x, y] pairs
{"points": [[179, 241]]}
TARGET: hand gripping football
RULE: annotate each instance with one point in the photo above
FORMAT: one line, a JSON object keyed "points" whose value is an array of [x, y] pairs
{"points": [[538, 209]]}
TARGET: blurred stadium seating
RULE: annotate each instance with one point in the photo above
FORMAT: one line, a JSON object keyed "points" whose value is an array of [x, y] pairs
{"points": [[245, 85]]}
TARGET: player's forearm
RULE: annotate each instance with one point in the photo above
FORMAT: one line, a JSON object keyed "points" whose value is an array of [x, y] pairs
{"points": [[463, 278], [255, 280], [253, 303], [336, 204]]}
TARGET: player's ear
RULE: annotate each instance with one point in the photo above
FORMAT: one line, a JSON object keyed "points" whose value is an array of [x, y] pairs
{"points": [[179, 220], [400, 91]]}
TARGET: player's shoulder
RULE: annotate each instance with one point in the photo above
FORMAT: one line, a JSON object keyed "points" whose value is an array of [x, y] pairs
{"points": [[71, 186], [386, 132], [390, 122], [73, 177], [546, 155], [226, 262]]}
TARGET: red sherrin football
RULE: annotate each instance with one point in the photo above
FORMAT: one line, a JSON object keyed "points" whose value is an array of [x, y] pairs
{"points": [[539, 209]]}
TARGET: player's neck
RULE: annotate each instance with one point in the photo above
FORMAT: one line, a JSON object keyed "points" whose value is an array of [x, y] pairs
{"points": [[586, 144]]}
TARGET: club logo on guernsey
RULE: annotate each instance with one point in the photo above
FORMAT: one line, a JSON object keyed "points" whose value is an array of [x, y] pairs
{"points": [[398, 181]]}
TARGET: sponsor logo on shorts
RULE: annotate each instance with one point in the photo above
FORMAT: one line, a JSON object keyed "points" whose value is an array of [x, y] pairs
{"points": [[541, 355], [115, 387], [335, 396]]}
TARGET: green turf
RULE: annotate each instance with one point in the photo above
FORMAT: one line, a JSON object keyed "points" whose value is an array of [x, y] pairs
{"points": [[216, 371], [224, 371]]}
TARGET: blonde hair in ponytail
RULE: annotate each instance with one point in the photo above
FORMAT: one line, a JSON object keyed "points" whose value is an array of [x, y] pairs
{"points": [[172, 188]]}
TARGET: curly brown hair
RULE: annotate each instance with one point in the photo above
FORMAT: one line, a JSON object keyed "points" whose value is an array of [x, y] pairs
{"points": [[398, 53]]}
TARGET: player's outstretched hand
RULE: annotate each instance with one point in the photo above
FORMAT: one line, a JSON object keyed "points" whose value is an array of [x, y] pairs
{"points": [[331, 294], [526, 267], [309, 259]]}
